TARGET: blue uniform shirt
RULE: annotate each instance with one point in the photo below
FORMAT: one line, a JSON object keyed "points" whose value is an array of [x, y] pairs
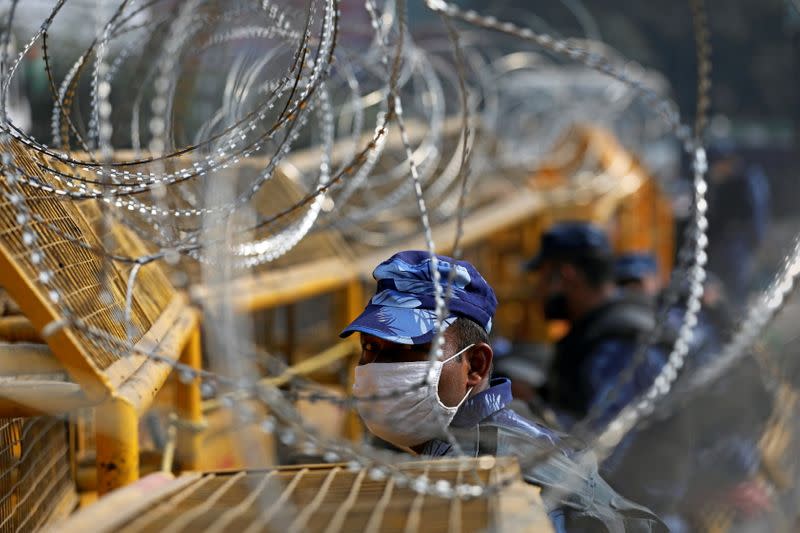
{"points": [[576, 497]]}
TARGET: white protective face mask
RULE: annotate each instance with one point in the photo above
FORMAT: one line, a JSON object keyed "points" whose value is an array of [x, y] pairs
{"points": [[412, 418]]}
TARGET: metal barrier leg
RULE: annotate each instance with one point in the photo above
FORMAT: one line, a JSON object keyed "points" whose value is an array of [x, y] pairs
{"points": [[117, 427], [190, 407], [354, 429]]}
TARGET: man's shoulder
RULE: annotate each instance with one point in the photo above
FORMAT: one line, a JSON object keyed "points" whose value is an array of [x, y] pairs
{"points": [[509, 420], [623, 325], [505, 432], [622, 318]]}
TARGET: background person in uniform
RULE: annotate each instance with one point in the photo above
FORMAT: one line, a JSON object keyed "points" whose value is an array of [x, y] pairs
{"points": [[576, 275], [397, 328], [637, 274], [575, 267]]}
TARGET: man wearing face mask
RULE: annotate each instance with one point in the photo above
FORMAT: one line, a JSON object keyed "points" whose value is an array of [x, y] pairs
{"points": [[397, 330], [575, 267]]}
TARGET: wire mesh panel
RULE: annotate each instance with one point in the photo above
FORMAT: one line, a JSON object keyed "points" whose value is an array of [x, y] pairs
{"points": [[324, 499], [51, 244], [36, 484], [152, 290]]}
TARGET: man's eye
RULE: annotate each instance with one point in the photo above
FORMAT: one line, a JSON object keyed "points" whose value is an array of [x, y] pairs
{"points": [[368, 347]]}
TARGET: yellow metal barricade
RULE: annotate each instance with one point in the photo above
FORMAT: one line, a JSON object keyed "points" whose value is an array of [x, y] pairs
{"points": [[122, 384]]}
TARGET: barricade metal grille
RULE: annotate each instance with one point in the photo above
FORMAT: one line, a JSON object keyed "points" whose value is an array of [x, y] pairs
{"points": [[36, 484]]}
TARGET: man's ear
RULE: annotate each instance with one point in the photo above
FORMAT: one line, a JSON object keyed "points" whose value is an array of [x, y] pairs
{"points": [[479, 359]]}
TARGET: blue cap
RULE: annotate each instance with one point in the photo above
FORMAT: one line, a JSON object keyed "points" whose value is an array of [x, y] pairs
{"points": [[635, 266], [567, 240], [403, 309]]}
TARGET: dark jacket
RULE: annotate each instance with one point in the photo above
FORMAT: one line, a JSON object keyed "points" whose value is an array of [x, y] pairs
{"points": [[576, 497], [597, 349]]}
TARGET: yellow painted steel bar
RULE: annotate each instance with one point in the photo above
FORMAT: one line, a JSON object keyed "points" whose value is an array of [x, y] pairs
{"points": [[353, 428], [274, 288], [116, 421], [137, 377], [189, 406], [333, 354], [117, 439], [307, 366]]}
